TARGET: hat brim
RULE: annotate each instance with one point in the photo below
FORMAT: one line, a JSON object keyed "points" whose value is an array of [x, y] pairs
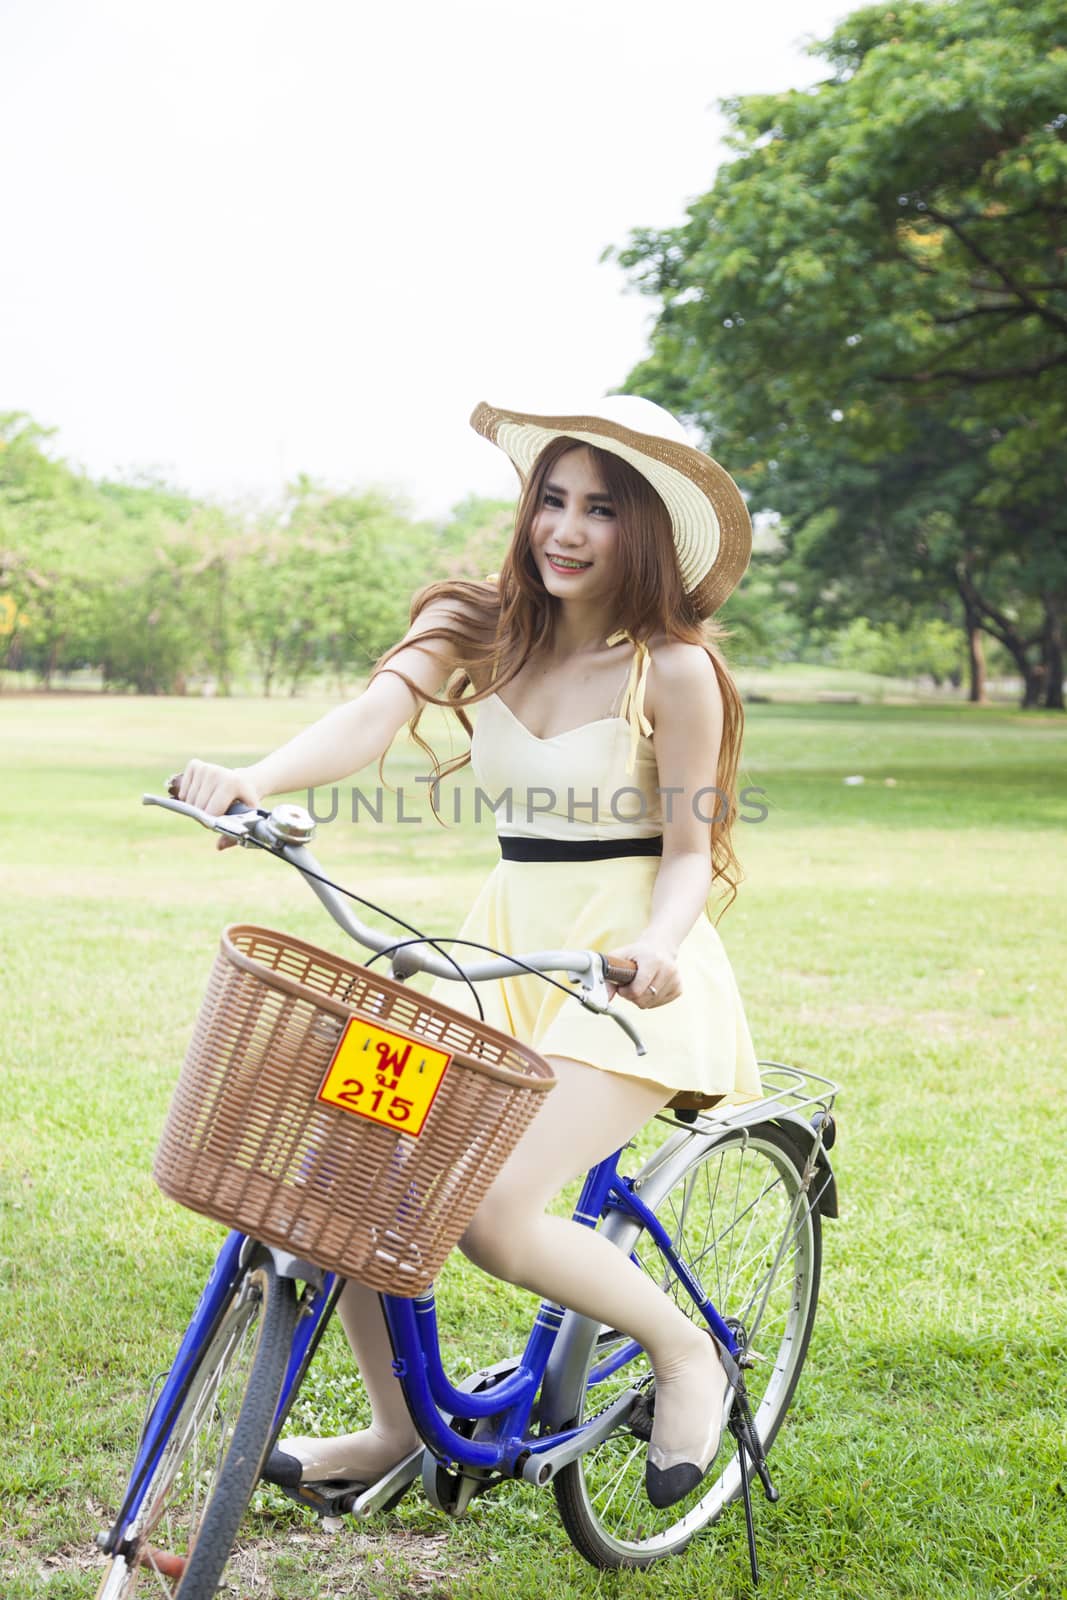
{"points": [[712, 527]]}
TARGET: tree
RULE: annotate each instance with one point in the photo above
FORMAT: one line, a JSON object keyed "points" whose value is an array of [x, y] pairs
{"points": [[867, 315], [327, 585], [472, 542], [42, 503], [129, 578], [152, 587]]}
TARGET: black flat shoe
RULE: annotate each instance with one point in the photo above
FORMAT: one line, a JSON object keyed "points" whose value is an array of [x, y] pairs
{"points": [[666, 1488], [282, 1469], [666, 1485], [287, 1472]]}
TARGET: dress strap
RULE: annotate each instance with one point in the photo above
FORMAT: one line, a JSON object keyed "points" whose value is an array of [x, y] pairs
{"points": [[633, 705]]}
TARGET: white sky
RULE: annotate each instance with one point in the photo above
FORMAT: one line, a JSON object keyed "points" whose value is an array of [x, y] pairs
{"points": [[243, 238]]}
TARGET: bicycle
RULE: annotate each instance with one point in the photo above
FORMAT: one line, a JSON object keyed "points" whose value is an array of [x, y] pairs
{"points": [[731, 1204]]}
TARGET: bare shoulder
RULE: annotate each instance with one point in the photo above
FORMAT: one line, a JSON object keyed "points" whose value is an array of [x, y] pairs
{"points": [[678, 663], [681, 676], [444, 611], [446, 628]]}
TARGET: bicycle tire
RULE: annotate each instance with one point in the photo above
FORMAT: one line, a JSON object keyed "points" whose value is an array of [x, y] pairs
{"points": [[210, 1463], [733, 1201]]}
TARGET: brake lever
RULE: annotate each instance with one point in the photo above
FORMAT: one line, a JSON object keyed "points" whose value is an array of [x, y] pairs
{"points": [[237, 823], [594, 997]]}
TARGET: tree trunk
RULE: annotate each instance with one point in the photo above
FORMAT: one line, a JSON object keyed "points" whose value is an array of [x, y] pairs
{"points": [[222, 627], [1001, 626], [268, 666], [1033, 683], [1052, 647], [301, 664], [975, 661]]}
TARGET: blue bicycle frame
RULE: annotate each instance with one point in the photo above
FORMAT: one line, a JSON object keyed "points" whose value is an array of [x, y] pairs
{"points": [[504, 1445]]}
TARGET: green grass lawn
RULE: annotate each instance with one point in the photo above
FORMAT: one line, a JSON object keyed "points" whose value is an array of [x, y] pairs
{"points": [[904, 937]]}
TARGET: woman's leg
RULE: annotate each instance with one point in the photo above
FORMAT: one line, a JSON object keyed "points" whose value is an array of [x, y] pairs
{"points": [[587, 1116], [365, 1455]]}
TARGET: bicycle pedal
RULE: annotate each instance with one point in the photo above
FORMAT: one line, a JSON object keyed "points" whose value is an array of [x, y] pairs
{"points": [[330, 1499], [641, 1417], [349, 1501]]}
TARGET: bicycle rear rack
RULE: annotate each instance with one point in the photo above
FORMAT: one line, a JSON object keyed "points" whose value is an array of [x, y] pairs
{"points": [[785, 1090]]}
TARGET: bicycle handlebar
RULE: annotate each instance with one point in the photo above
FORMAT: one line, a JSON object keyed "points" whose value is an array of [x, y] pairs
{"points": [[284, 832]]}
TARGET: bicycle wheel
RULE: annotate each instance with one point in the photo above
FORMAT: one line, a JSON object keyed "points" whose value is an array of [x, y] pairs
{"points": [[192, 1506], [739, 1217]]}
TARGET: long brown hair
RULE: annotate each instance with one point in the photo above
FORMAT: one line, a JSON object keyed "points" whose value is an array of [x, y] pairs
{"points": [[500, 624]]}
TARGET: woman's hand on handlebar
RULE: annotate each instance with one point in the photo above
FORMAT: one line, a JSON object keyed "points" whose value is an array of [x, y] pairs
{"points": [[656, 980], [214, 789]]}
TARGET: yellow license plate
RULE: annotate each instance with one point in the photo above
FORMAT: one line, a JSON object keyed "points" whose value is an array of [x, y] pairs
{"points": [[387, 1077]]}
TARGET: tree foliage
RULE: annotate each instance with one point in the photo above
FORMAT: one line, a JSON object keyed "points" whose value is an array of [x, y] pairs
{"points": [[153, 588], [867, 314]]}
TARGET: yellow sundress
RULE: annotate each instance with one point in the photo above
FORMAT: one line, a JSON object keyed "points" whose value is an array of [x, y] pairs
{"points": [[596, 782]]}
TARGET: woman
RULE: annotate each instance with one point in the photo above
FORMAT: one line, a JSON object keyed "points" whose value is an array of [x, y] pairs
{"points": [[617, 748]]}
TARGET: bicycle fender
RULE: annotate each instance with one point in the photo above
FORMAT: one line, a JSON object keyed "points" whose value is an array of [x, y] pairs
{"points": [[287, 1265], [794, 1126]]}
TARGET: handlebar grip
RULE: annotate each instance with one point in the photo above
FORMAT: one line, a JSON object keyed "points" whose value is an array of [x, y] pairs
{"points": [[620, 972], [233, 810]]}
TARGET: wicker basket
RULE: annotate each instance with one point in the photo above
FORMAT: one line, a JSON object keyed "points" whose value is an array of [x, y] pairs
{"points": [[250, 1141]]}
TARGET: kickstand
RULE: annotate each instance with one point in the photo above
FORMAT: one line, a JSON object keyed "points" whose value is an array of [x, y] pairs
{"points": [[746, 1495], [750, 1452]]}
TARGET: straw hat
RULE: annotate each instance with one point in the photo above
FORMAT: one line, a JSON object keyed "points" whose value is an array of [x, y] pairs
{"points": [[712, 528]]}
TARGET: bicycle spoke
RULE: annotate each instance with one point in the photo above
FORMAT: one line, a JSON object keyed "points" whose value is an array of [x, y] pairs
{"points": [[614, 1483], [799, 1212], [637, 1489], [163, 1587], [741, 1266]]}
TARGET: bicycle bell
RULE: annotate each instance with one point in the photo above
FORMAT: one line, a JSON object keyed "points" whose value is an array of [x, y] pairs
{"points": [[289, 824]]}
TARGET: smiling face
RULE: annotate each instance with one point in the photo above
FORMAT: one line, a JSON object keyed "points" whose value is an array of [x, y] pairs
{"points": [[574, 536]]}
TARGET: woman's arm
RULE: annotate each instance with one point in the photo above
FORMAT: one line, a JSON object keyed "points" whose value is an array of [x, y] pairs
{"points": [[684, 702], [346, 739]]}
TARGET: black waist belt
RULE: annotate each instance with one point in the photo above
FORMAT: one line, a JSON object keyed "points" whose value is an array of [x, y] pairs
{"points": [[515, 848]]}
